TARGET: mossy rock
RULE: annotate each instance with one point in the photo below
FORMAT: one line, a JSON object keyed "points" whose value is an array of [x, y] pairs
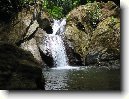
{"points": [[94, 28], [107, 35]]}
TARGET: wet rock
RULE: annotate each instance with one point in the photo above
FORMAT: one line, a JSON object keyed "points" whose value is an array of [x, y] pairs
{"points": [[103, 59], [48, 30], [74, 58], [45, 24], [92, 58], [47, 59], [109, 56], [77, 59], [19, 69]]}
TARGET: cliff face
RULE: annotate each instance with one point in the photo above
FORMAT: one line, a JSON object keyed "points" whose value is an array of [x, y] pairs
{"points": [[93, 30]]}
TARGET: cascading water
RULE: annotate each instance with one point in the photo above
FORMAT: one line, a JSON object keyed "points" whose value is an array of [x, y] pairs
{"points": [[58, 51], [54, 45], [59, 26]]}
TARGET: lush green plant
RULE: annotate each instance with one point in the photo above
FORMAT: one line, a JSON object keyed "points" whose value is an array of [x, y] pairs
{"points": [[59, 8], [56, 8], [95, 15]]}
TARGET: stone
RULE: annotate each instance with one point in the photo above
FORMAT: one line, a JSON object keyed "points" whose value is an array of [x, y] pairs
{"points": [[31, 46], [19, 69], [93, 30]]}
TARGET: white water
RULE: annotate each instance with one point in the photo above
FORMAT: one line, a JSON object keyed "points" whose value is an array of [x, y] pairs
{"points": [[54, 45], [58, 51], [57, 44], [59, 26]]}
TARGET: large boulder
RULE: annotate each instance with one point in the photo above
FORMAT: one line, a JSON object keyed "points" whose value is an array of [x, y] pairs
{"points": [[105, 42], [106, 37], [19, 69], [31, 46], [93, 30], [26, 28]]}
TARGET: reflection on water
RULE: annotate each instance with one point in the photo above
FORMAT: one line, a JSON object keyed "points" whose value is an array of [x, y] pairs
{"points": [[56, 79], [82, 78]]}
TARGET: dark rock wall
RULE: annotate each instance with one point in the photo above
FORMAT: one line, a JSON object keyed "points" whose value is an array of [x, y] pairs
{"points": [[19, 69]]}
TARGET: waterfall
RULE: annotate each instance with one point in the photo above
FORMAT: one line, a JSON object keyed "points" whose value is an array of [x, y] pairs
{"points": [[58, 51], [53, 44], [59, 26]]}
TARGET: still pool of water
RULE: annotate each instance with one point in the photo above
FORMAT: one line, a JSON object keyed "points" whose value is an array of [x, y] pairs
{"points": [[82, 78]]}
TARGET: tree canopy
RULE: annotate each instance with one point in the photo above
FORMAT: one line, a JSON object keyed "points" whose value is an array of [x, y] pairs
{"points": [[56, 8], [59, 8]]}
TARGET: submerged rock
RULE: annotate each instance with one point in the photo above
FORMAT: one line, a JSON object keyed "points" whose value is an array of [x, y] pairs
{"points": [[94, 29], [18, 69]]}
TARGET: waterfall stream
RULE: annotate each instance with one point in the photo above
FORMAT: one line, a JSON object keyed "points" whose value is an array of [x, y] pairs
{"points": [[57, 44], [57, 50], [54, 45]]}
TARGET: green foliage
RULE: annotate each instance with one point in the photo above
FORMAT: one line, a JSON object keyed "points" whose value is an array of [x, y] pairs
{"points": [[56, 8], [57, 12], [95, 15], [59, 8]]}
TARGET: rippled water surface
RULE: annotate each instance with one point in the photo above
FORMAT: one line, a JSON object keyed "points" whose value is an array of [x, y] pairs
{"points": [[82, 78]]}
